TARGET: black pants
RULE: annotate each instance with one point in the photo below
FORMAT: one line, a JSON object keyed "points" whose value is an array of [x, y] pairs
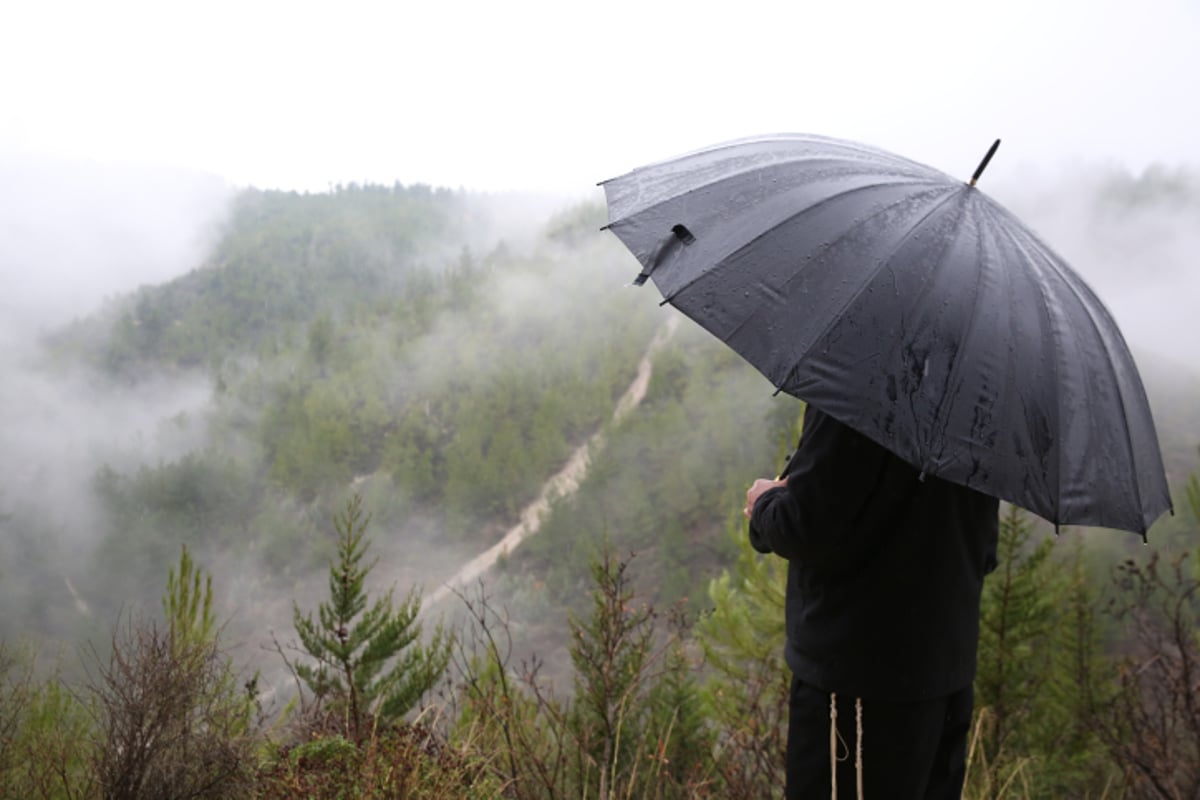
{"points": [[911, 751]]}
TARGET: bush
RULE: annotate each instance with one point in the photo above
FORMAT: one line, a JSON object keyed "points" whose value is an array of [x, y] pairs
{"points": [[171, 719], [169, 725], [396, 761], [46, 735], [635, 727]]}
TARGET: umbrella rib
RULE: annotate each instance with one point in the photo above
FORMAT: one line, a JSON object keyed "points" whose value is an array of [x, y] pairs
{"points": [[1032, 256], [833, 318], [1083, 297], [791, 217], [747, 319], [874, 215], [911, 176], [925, 447], [943, 412]]}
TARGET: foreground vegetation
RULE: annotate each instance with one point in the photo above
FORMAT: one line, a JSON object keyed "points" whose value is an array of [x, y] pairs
{"points": [[1075, 698], [369, 359]]}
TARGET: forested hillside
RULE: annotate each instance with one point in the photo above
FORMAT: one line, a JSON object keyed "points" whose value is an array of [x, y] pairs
{"points": [[284, 261], [395, 351], [363, 341]]}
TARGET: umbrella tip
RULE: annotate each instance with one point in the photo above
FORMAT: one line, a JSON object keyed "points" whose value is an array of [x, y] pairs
{"points": [[983, 164]]}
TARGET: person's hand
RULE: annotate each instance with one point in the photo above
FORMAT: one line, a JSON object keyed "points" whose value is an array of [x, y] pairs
{"points": [[756, 489]]}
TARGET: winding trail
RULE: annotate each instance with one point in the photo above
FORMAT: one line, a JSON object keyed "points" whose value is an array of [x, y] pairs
{"points": [[561, 484]]}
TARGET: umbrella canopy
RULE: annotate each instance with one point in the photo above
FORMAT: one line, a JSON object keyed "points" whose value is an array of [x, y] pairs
{"points": [[910, 306]]}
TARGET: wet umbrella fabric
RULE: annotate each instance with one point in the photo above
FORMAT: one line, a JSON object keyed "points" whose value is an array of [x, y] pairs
{"points": [[910, 306]]}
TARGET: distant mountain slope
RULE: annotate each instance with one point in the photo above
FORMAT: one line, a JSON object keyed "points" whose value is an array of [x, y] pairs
{"points": [[385, 341], [284, 259], [373, 340]]}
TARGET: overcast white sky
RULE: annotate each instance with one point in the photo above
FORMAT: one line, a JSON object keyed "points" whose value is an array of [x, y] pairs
{"points": [[556, 95]]}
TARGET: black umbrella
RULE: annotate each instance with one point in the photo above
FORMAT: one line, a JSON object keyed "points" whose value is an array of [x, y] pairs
{"points": [[910, 306]]}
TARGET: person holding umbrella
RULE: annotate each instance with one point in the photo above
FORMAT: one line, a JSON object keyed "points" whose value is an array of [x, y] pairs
{"points": [[949, 359], [885, 572]]}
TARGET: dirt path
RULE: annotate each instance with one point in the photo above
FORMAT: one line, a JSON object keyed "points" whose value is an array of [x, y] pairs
{"points": [[562, 483]]}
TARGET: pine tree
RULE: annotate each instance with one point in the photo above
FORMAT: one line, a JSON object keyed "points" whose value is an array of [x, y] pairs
{"points": [[1017, 615], [192, 632], [1068, 743], [369, 656], [1038, 653], [747, 689], [745, 627], [679, 737], [610, 651], [187, 605]]}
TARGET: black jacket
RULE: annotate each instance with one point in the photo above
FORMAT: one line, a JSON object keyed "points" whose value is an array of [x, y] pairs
{"points": [[885, 569]]}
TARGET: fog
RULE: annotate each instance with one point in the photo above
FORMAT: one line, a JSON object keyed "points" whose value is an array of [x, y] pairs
{"points": [[73, 231], [75, 237], [1142, 260], [77, 233]]}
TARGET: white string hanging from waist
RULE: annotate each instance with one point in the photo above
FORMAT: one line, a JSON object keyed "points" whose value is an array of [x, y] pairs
{"points": [[858, 758], [835, 738], [833, 742]]}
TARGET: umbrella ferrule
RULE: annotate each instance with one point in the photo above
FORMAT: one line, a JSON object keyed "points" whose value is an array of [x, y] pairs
{"points": [[983, 164]]}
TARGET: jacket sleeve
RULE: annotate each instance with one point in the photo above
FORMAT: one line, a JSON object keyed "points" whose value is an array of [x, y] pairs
{"points": [[833, 477]]}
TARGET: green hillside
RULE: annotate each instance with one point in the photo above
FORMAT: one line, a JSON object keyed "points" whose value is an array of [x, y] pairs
{"points": [[284, 260], [356, 341], [375, 339], [392, 345]]}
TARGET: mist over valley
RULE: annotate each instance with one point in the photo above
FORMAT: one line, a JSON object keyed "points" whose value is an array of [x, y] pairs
{"points": [[224, 372]]}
